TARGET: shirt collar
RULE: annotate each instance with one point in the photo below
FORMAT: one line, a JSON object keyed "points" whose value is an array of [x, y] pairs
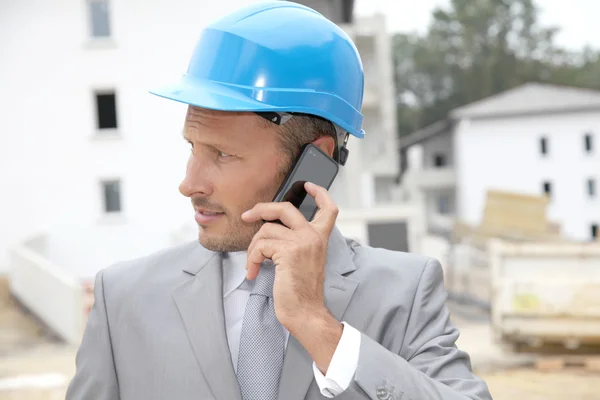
{"points": [[234, 271]]}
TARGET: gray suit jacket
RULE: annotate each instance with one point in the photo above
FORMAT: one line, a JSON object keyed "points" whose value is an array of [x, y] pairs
{"points": [[157, 330]]}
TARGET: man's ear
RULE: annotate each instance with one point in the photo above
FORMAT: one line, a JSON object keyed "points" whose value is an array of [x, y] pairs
{"points": [[325, 143]]}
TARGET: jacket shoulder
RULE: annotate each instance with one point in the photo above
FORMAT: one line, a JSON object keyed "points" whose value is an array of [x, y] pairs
{"points": [[162, 265], [392, 266]]}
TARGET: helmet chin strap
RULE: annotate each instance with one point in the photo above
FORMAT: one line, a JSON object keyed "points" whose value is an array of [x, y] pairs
{"points": [[275, 117], [341, 153]]}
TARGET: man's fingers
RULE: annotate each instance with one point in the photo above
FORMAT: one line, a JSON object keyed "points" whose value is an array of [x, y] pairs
{"points": [[325, 218], [285, 212], [270, 230], [263, 249]]}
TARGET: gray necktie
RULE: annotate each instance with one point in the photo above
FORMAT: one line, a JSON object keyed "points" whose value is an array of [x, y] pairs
{"points": [[262, 342]]}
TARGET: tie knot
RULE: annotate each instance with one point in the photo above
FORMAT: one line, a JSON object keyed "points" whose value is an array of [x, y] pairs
{"points": [[263, 284]]}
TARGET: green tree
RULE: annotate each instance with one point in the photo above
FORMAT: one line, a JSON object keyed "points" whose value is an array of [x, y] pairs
{"points": [[477, 48]]}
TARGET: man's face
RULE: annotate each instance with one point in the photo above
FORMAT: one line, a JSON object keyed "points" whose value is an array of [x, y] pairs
{"points": [[235, 163]]}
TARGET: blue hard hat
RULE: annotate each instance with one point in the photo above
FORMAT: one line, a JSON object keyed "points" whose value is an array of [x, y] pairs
{"points": [[275, 56]]}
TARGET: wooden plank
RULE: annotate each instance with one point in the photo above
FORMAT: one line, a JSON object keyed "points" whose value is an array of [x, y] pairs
{"points": [[560, 362], [546, 364], [510, 216], [516, 212], [593, 364]]}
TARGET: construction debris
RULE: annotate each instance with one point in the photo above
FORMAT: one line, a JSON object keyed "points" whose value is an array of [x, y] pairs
{"points": [[512, 217]]}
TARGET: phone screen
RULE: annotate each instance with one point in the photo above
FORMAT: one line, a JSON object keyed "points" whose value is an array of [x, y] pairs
{"points": [[313, 166]]}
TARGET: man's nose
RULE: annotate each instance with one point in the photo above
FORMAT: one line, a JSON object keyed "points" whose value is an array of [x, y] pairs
{"points": [[197, 178]]}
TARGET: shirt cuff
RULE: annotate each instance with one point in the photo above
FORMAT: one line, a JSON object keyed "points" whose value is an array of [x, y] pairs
{"points": [[342, 366]]}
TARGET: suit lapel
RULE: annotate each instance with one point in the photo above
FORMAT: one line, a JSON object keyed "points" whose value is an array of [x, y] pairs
{"points": [[297, 373], [200, 304]]}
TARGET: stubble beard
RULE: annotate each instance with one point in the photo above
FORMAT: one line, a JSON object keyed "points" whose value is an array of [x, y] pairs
{"points": [[239, 234], [237, 238]]}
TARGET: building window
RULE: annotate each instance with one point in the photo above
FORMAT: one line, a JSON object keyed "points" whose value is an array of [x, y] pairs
{"points": [[106, 110], [588, 143], [111, 191], [548, 188], [383, 189], [99, 18], [543, 146], [591, 187], [594, 231], [347, 6], [444, 204], [439, 160]]}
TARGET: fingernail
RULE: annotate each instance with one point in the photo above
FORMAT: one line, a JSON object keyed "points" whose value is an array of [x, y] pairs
{"points": [[246, 213]]}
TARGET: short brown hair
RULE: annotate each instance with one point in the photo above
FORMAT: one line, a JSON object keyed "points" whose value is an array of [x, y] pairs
{"points": [[302, 129]]}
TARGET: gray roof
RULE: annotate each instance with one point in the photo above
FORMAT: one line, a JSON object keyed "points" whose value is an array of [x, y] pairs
{"points": [[425, 133], [531, 98], [528, 99]]}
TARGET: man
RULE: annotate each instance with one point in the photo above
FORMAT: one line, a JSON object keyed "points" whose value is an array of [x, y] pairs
{"points": [[256, 309]]}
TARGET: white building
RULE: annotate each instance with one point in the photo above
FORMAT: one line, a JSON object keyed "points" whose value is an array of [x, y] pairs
{"points": [[373, 162], [533, 139], [91, 161]]}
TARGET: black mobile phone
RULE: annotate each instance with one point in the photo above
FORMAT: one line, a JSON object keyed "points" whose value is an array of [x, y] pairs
{"points": [[314, 166]]}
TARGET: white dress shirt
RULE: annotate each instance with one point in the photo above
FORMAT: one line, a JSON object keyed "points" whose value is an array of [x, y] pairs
{"points": [[236, 291]]}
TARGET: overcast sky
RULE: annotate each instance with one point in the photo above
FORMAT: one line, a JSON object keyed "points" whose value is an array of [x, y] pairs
{"points": [[578, 19]]}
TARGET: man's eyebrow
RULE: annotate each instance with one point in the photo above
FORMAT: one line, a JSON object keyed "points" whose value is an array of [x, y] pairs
{"points": [[215, 145]]}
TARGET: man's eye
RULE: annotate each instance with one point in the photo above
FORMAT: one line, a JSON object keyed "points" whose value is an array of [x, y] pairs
{"points": [[221, 154]]}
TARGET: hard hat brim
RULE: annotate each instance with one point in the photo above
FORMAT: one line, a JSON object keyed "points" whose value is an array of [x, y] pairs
{"points": [[209, 95], [223, 97]]}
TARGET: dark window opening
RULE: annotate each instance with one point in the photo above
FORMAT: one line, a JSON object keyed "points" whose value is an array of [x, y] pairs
{"points": [[548, 188], [347, 11], [544, 146], [444, 204], [99, 18], [591, 187], [594, 231], [589, 144], [106, 108], [439, 160], [388, 235], [112, 196]]}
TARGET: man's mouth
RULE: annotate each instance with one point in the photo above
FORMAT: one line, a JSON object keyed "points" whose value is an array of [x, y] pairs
{"points": [[209, 213], [206, 217]]}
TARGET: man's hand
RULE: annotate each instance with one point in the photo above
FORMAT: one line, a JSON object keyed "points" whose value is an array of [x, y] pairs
{"points": [[299, 252], [298, 249]]}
